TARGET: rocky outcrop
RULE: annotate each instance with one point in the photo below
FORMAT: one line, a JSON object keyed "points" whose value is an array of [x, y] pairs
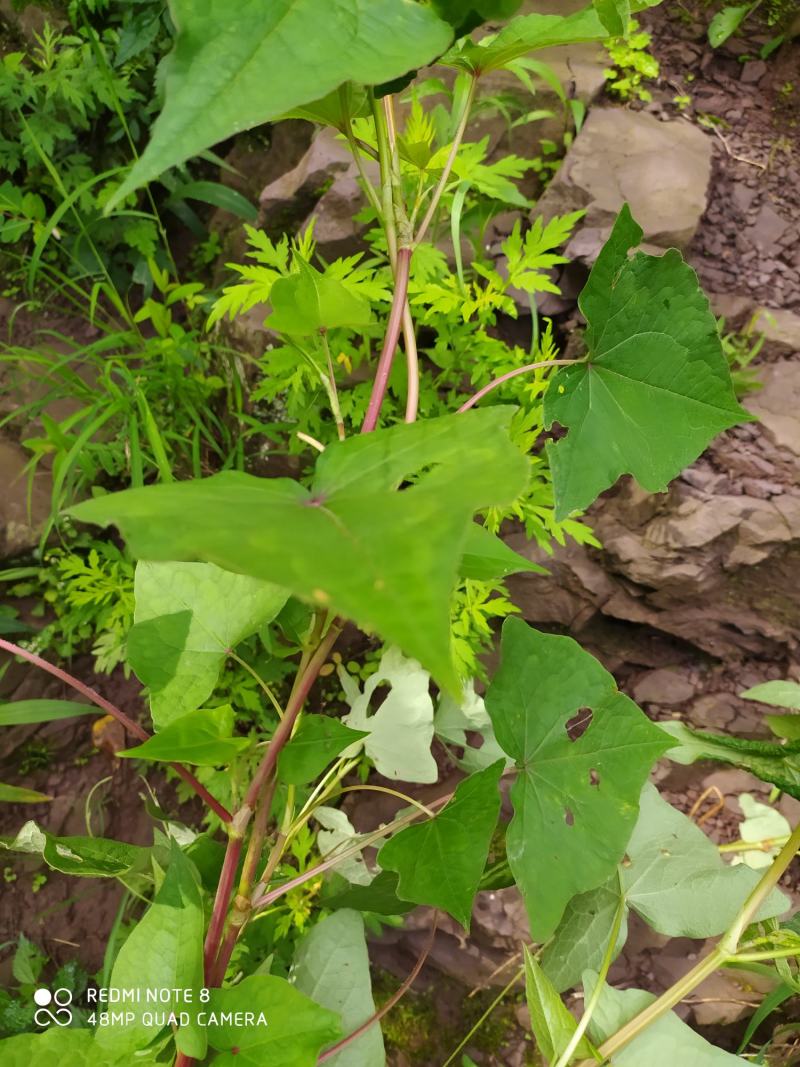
{"points": [[323, 187], [661, 169], [712, 563]]}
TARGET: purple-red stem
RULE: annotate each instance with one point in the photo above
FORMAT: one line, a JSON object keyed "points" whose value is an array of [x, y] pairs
{"points": [[293, 709], [224, 889], [390, 1003], [393, 329], [131, 726], [481, 393]]}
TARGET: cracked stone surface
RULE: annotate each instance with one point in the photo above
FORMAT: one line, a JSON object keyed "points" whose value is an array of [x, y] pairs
{"points": [[661, 169]]}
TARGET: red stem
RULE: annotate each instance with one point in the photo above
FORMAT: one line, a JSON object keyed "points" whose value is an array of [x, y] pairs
{"points": [[481, 393], [393, 329], [390, 1003], [224, 889], [131, 726], [293, 709]]}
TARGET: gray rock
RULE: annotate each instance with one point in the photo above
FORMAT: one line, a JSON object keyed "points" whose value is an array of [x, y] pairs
{"points": [[777, 403], [661, 169], [324, 187], [768, 228], [666, 687], [781, 327]]}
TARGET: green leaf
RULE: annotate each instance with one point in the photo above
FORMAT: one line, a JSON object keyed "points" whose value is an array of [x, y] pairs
{"points": [[456, 719], [352, 543], [761, 823], [233, 68], [380, 896], [202, 738], [778, 764], [779, 694], [726, 22], [188, 617], [579, 944], [308, 301], [666, 1042], [654, 388], [400, 733], [331, 966], [22, 712], [218, 195], [524, 34], [464, 16], [17, 794], [614, 14], [486, 557], [440, 862], [676, 880], [28, 962], [163, 950], [552, 1024], [67, 1047], [289, 1030], [89, 857], [787, 726], [318, 739], [575, 801]]}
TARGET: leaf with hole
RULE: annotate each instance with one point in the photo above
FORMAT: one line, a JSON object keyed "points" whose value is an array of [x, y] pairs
{"points": [[576, 798], [259, 61], [202, 738], [352, 543], [440, 862], [331, 966], [399, 734], [188, 618], [654, 388], [87, 857]]}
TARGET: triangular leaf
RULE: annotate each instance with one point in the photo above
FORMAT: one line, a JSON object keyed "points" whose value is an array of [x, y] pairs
{"points": [[202, 738], [163, 950], [655, 387], [308, 301], [440, 862], [353, 543], [318, 739], [331, 966], [87, 857], [575, 801], [289, 1030], [237, 66], [188, 617]]}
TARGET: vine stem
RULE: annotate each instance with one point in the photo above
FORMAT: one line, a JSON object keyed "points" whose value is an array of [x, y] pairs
{"points": [[111, 709], [724, 952], [481, 393], [390, 1003], [591, 1005], [448, 167], [393, 329]]}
